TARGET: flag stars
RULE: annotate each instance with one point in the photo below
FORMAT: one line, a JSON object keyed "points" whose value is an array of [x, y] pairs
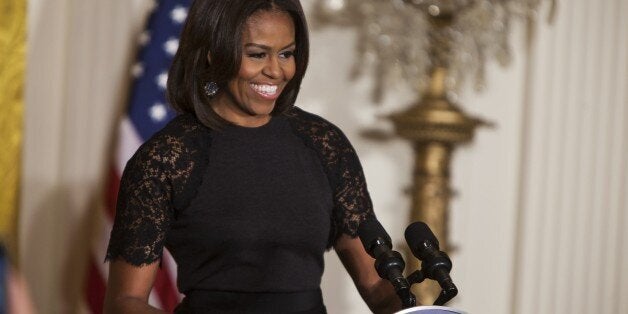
{"points": [[179, 14], [137, 70], [171, 45], [158, 112], [144, 38], [162, 80], [152, 5]]}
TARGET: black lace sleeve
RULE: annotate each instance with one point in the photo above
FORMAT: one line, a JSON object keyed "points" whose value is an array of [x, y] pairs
{"points": [[153, 185], [352, 202]]}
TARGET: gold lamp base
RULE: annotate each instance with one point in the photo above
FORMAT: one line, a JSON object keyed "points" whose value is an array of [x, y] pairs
{"points": [[435, 126]]}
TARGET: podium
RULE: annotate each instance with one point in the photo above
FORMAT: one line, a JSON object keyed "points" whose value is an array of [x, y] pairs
{"points": [[431, 309]]}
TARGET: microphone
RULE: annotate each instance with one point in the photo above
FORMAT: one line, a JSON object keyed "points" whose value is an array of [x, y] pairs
{"points": [[435, 264], [388, 263]]}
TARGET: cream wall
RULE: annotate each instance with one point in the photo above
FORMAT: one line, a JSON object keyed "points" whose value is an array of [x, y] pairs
{"points": [[572, 248], [539, 217], [78, 59]]}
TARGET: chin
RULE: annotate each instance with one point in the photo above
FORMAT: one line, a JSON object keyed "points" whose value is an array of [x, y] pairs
{"points": [[262, 109]]}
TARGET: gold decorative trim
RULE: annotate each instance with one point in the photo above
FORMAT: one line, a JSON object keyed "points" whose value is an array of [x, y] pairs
{"points": [[12, 67]]}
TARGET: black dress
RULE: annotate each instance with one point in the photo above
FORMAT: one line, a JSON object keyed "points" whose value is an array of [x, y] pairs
{"points": [[247, 213]]}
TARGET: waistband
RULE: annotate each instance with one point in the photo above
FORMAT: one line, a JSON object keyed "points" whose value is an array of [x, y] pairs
{"points": [[204, 301]]}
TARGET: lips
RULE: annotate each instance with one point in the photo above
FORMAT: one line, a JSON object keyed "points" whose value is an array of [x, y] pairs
{"points": [[267, 91]]}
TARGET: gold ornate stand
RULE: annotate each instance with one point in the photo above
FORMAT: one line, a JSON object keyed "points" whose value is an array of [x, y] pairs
{"points": [[435, 126]]}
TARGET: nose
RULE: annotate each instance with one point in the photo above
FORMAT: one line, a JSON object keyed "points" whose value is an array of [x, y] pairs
{"points": [[272, 69]]}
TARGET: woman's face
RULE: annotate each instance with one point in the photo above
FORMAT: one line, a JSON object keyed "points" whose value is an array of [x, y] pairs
{"points": [[267, 65]]}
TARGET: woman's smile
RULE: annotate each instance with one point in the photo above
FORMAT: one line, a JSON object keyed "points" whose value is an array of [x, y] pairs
{"points": [[267, 91]]}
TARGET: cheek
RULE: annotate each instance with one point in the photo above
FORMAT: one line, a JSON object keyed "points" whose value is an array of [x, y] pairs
{"points": [[241, 83], [290, 70], [247, 72]]}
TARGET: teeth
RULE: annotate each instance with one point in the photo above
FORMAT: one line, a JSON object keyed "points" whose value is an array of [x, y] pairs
{"points": [[265, 89]]}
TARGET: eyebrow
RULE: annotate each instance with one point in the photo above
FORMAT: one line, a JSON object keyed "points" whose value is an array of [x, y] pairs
{"points": [[268, 47]]}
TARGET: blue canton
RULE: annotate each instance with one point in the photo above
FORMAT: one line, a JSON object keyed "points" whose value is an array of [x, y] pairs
{"points": [[148, 109]]}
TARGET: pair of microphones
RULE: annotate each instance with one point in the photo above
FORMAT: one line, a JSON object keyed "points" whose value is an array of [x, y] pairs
{"points": [[435, 264]]}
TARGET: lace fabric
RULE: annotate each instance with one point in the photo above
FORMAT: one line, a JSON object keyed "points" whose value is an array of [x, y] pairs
{"points": [[352, 202], [163, 176], [157, 181]]}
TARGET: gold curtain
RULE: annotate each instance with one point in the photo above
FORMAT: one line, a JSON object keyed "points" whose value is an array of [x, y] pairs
{"points": [[12, 67]]}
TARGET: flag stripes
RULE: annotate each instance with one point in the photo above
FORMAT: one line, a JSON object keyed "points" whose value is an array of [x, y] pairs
{"points": [[146, 114]]}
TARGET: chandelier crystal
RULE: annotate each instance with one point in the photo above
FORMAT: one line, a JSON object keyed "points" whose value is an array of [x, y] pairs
{"points": [[404, 39]]}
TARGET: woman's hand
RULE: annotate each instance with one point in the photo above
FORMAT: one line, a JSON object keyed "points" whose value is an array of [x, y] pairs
{"points": [[378, 293], [129, 287]]}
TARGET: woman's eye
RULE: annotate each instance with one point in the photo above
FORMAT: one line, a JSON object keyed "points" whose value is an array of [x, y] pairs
{"points": [[287, 54], [259, 55]]}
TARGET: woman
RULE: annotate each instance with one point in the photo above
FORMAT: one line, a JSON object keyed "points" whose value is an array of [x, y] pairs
{"points": [[244, 189]]}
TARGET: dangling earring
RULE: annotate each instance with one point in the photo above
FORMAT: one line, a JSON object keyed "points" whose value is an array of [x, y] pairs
{"points": [[211, 89]]}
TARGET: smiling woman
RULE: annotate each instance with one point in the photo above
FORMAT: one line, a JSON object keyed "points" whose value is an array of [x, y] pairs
{"points": [[224, 41], [267, 66], [245, 190]]}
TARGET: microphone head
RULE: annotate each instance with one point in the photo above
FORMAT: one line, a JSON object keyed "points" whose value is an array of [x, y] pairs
{"points": [[372, 233], [418, 233]]}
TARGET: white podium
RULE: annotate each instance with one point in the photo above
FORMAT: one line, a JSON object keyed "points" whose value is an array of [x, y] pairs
{"points": [[431, 309]]}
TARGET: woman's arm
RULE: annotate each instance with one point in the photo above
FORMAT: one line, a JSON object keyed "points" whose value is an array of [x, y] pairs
{"points": [[128, 288], [378, 293]]}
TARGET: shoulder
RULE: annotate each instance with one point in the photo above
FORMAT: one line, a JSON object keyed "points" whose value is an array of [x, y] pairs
{"points": [[174, 157], [183, 129], [316, 127], [334, 148], [296, 114], [179, 139]]}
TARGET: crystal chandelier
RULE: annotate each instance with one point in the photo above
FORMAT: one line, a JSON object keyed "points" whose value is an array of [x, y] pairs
{"points": [[405, 39]]}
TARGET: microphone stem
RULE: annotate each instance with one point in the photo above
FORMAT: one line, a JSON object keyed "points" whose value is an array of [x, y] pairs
{"points": [[402, 288], [449, 288], [408, 299]]}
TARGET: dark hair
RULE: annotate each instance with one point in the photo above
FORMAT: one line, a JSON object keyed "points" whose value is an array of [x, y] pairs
{"points": [[217, 26]]}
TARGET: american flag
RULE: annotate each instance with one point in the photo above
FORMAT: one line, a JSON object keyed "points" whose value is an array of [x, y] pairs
{"points": [[147, 113]]}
